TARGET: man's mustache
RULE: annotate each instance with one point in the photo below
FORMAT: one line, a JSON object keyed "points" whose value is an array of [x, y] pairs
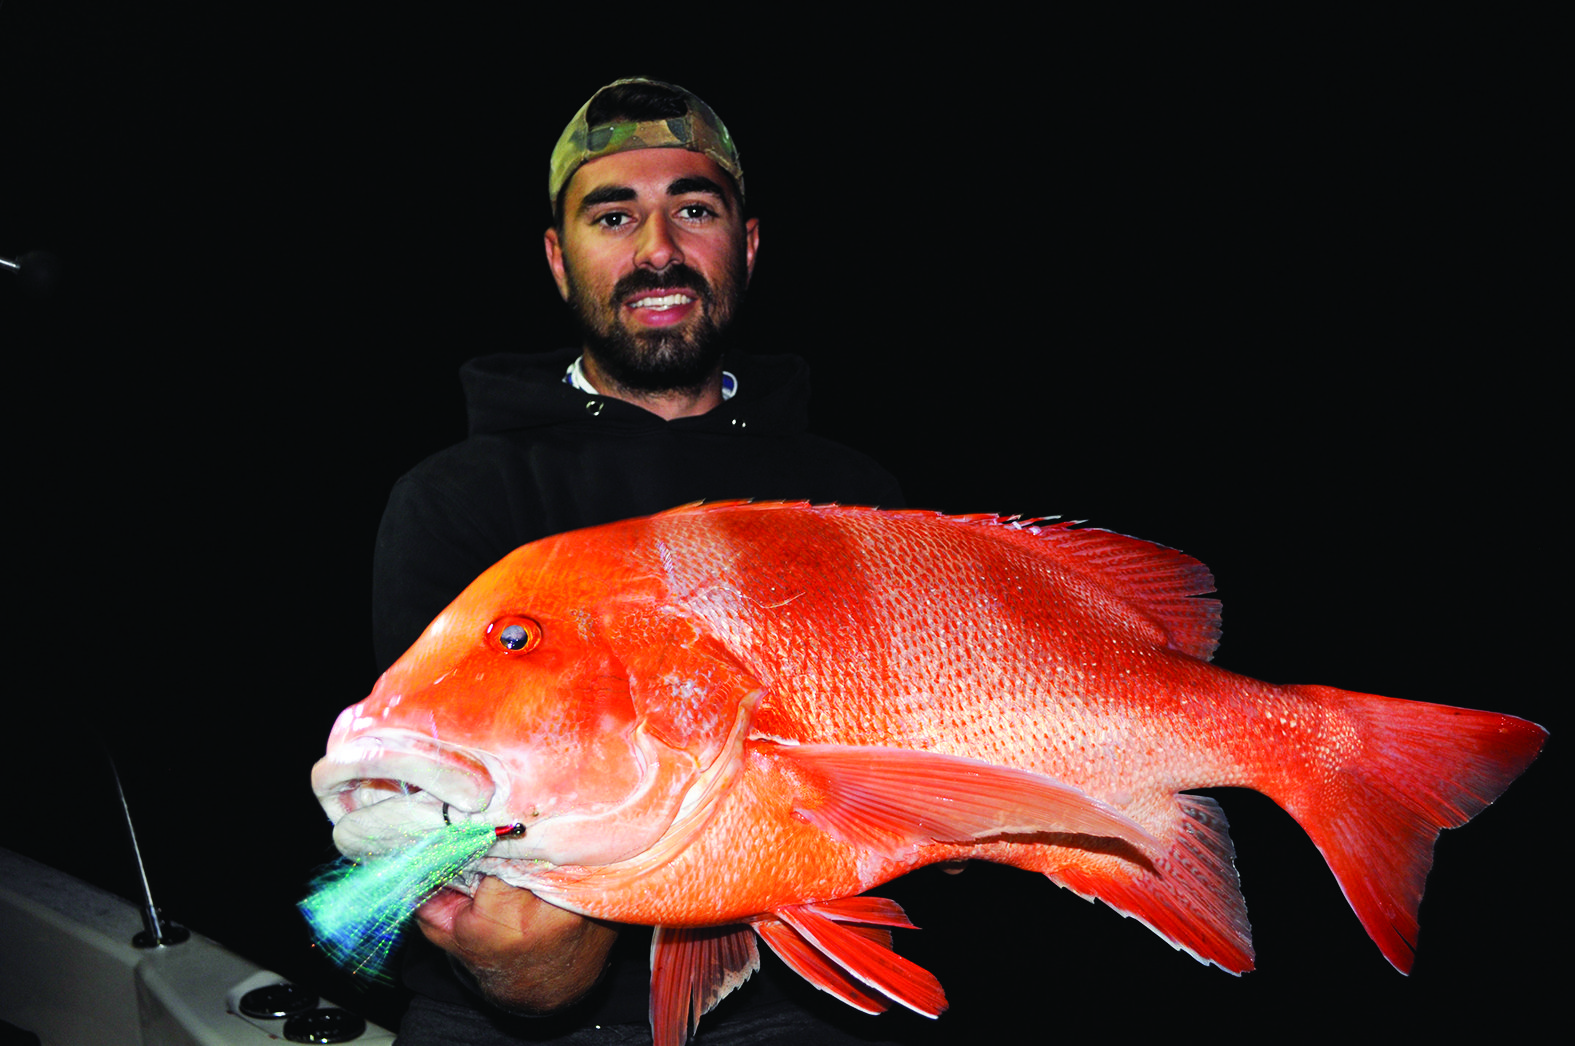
{"points": [[674, 277]]}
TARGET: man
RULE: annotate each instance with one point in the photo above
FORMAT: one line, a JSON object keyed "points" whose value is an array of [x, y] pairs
{"points": [[650, 248]]}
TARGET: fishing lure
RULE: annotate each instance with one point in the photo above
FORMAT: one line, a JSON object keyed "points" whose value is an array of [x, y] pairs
{"points": [[358, 909]]}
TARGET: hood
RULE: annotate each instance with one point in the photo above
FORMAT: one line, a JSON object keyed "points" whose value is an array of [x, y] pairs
{"points": [[511, 391]]}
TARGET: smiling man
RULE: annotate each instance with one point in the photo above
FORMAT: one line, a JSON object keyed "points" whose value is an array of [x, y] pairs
{"points": [[653, 256], [651, 248], [649, 245]]}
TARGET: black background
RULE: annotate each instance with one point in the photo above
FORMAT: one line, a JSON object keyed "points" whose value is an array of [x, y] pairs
{"points": [[1271, 291]]}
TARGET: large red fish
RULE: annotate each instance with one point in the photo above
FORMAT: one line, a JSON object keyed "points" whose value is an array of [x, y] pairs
{"points": [[731, 720]]}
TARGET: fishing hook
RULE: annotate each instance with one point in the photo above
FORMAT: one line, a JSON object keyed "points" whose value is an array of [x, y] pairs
{"points": [[502, 831]]}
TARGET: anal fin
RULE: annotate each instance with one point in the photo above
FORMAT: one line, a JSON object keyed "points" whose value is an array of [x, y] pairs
{"points": [[1192, 898]]}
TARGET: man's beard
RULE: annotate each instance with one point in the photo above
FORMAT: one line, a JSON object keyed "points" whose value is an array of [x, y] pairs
{"points": [[658, 361]]}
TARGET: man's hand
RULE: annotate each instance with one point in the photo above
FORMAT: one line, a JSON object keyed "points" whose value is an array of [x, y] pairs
{"points": [[527, 955]]}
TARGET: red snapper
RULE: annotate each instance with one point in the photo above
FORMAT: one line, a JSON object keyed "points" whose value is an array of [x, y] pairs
{"points": [[731, 720]]}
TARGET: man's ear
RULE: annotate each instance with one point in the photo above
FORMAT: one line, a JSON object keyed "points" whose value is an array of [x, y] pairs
{"points": [[554, 247], [751, 245]]}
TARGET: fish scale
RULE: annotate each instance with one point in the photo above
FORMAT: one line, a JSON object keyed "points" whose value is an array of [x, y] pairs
{"points": [[734, 719]]}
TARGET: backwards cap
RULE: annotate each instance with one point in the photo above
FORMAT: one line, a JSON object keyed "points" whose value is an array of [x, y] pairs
{"points": [[699, 130]]}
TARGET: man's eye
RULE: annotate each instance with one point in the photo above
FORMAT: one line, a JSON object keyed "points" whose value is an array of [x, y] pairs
{"points": [[696, 211], [613, 221]]}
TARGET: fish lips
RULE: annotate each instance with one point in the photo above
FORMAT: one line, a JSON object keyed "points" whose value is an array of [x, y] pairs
{"points": [[383, 790]]}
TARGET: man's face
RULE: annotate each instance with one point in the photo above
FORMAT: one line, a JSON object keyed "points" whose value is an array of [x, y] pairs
{"points": [[653, 258]]}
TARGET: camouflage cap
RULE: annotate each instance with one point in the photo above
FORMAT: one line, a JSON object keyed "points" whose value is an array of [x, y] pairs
{"points": [[699, 130]]}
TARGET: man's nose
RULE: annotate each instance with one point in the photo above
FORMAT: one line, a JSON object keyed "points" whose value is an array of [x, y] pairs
{"points": [[656, 247]]}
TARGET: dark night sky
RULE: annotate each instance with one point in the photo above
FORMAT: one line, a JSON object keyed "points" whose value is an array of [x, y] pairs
{"points": [[1267, 292]]}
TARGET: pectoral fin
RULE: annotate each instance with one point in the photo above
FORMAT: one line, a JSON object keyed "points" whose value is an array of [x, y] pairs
{"points": [[892, 799]]}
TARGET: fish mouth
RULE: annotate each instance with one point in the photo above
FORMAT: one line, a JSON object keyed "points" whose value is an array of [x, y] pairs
{"points": [[384, 790]]}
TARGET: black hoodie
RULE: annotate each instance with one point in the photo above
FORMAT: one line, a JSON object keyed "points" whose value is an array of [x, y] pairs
{"points": [[543, 458]]}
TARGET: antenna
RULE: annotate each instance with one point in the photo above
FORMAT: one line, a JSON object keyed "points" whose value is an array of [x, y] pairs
{"points": [[157, 932], [39, 271]]}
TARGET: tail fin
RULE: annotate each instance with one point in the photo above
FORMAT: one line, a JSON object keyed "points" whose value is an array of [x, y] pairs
{"points": [[1421, 768]]}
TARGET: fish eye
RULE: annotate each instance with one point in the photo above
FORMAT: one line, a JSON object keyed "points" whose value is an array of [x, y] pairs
{"points": [[515, 635]]}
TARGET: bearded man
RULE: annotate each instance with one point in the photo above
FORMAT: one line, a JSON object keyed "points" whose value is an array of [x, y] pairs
{"points": [[650, 247]]}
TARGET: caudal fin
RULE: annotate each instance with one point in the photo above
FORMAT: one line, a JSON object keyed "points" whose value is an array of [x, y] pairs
{"points": [[1421, 768]]}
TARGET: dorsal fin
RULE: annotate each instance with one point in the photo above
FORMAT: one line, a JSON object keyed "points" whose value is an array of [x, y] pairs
{"points": [[1158, 582]]}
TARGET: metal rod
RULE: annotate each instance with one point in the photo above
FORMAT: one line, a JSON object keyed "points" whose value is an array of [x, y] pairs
{"points": [[155, 932]]}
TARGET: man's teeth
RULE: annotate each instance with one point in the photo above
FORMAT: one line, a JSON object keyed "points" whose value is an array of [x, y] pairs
{"points": [[666, 301]]}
